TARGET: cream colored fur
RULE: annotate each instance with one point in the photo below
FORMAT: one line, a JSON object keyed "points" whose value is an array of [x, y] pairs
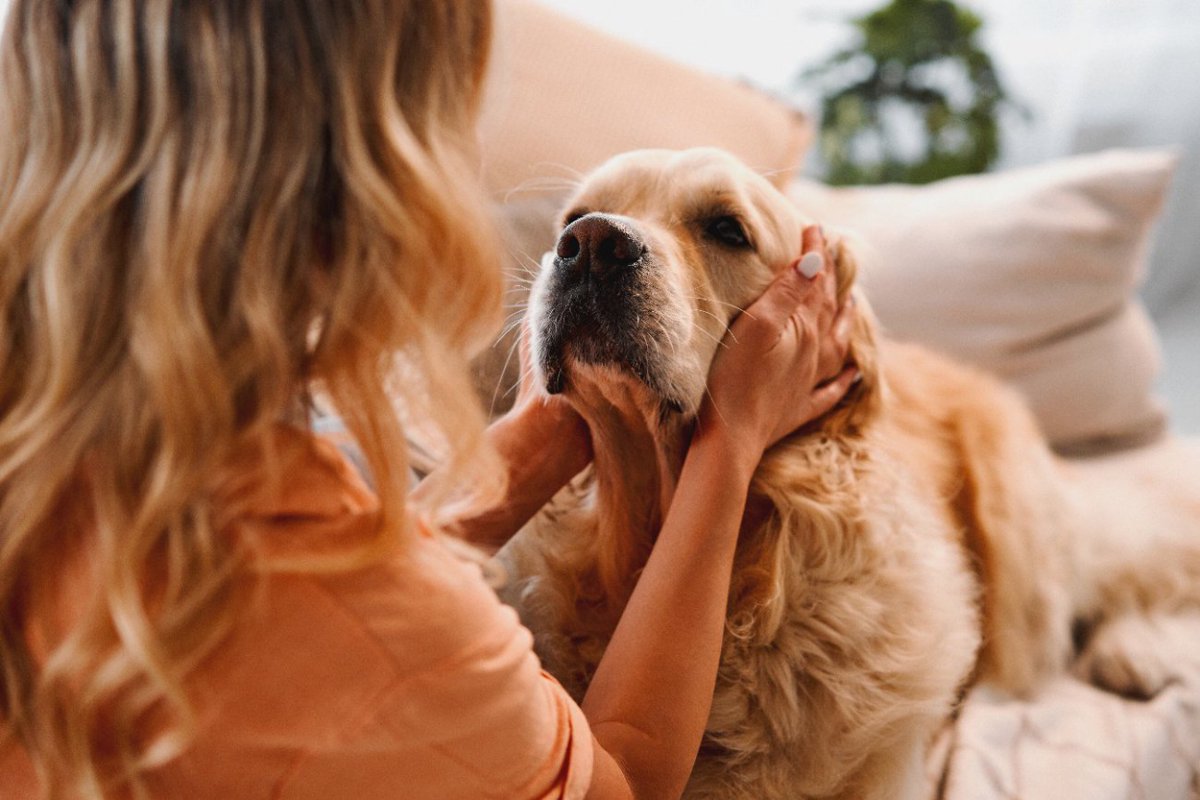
{"points": [[918, 538]]}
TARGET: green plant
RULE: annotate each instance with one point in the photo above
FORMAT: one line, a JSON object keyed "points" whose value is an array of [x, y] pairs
{"points": [[915, 100]]}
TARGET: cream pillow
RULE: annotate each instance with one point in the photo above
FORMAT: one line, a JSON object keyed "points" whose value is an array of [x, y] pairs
{"points": [[1029, 273], [563, 97]]}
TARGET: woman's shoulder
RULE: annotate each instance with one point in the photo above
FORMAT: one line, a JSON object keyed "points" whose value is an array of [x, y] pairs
{"points": [[409, 654], [292, 484]]}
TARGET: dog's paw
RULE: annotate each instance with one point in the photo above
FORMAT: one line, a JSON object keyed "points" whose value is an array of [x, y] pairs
{"points": [[1138, 656]]}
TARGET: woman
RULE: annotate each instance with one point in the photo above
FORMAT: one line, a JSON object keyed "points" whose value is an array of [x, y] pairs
{"points": [[209, 213]]}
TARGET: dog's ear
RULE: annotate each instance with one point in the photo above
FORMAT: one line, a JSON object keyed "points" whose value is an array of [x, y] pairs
{"points": [[863, 399]]}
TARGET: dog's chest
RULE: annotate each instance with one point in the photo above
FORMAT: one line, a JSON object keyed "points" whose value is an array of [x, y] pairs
{"points": [[820, 657]]}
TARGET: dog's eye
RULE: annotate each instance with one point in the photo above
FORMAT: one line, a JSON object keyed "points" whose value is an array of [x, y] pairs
{"points": [[728, 231]]}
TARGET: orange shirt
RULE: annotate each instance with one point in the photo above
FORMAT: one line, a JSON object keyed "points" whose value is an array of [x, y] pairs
{"points": [[405, 680]]}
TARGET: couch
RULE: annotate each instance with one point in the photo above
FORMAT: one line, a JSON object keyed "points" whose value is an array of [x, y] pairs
{"points": [[1032, 274]]}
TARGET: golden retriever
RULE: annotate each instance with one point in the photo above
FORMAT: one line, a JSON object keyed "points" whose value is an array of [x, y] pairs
{"points": [[918, 538]]}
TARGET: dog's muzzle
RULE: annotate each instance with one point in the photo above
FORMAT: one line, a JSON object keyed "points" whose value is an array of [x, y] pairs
{"points": [[592, 299]]}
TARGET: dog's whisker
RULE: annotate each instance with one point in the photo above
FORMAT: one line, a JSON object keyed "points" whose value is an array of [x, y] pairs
{"points": [[734, 306], [710, 314], [716, 407], [545, 184], [526, 374], [530, 265], [700, 299], [501, 337], [576, 176], [770, 173], [699, 329], [500, 381], [522, 276], [511, 322], [510, 327]]}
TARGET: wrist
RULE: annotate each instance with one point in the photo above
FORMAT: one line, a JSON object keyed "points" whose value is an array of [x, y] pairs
{"points": [[718, 443], [543, 441]]}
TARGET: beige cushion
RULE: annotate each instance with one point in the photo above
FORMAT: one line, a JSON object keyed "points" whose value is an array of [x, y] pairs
{"points": [[563, 97], [1029, 273]]}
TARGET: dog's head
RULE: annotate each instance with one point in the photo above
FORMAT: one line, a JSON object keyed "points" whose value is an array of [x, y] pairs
{"points": [[658, 252]]}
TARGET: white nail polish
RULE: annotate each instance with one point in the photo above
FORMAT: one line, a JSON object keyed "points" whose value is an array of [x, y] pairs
{"points": [[810, 265]]}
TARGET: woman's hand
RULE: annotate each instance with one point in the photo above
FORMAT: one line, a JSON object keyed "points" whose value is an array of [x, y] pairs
{"points": [[783, 362], [544, 443], [544, 419]]}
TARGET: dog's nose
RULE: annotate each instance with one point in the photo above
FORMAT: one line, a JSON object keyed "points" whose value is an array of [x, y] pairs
{"points": [[595, 245]]}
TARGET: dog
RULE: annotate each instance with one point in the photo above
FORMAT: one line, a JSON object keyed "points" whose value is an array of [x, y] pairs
{"points": [[918, 538]]}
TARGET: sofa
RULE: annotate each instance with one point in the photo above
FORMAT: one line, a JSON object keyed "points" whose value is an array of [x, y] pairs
{"points": [[1031, 274]]}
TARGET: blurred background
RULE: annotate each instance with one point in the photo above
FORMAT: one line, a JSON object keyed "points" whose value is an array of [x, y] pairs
{"points": [[1070, 76], [1019, 82]]}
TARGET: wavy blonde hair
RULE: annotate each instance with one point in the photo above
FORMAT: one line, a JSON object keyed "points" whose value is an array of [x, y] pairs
{"points": [[207, 211]]}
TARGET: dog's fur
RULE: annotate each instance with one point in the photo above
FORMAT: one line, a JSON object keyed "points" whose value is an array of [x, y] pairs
{"points": [[919, 537]]}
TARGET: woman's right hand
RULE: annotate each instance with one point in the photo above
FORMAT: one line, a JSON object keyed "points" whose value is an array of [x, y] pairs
{"points": [[783, 362], [651, 694]]}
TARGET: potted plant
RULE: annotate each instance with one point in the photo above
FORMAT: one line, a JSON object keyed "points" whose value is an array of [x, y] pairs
{"points": [[913, 100]]}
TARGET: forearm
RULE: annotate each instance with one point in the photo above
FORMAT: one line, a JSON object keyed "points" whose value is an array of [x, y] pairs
{"points": [[650, 698]]}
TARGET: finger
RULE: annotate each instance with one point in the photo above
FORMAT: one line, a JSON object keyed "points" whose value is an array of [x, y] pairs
{"points": [[829, 395], [782, 298], [812, 250], [843, 324], [816, 264], [836, 347], [812, 239], [830, 276]]}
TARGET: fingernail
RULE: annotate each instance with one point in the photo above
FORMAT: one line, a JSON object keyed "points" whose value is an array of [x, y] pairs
{"points": [[810, 265]]}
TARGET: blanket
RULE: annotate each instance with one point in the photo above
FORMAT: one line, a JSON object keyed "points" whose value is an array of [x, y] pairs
{"points": [[1071, 742]]}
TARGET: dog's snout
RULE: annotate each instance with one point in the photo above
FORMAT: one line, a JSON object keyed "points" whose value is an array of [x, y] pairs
{"points": [[595, 245]]}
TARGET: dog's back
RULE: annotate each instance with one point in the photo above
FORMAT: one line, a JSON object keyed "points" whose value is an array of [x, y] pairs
{"points": [[976, 445]]}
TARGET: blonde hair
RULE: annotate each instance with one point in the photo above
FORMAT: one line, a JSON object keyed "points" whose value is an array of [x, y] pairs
{"points": [[209, 210]]}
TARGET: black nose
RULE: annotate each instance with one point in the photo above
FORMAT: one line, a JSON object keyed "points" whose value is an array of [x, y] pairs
{"points": [[596, 245]]}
